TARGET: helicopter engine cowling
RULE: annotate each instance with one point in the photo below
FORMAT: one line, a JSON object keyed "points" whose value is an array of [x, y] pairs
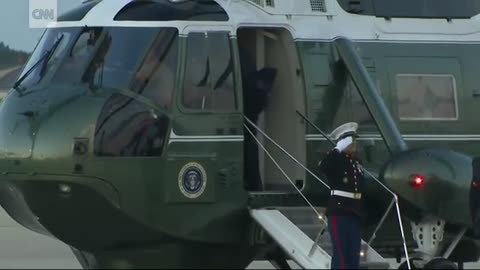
{"points": [[435, 181]]}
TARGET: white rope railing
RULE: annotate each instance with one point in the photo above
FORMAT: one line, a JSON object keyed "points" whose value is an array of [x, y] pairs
{"points": [[284, 173], [284, 151]]}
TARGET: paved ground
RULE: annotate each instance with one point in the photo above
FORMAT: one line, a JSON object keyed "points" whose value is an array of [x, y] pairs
{"points": [[24, 249], [7, 78], [5, 71]]}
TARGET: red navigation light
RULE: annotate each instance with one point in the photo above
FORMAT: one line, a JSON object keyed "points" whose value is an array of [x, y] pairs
{"points": [[475, 184], [418, 180]]}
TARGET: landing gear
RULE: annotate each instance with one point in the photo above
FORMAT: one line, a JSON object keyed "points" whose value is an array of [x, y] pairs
{"points": [[428, 234]]}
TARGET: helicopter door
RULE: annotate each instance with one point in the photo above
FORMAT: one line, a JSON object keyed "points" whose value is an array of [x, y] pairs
{"points": [[270, 65], [206, 138]]}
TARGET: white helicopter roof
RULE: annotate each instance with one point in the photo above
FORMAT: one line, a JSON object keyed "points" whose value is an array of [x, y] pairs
{"points": [[305, 19]]}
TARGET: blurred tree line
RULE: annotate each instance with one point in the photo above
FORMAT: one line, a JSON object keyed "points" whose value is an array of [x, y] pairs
{"points": [[10, 57]]}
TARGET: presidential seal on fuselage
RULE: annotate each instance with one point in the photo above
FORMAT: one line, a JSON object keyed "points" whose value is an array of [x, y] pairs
{"points": [[192, 180]]}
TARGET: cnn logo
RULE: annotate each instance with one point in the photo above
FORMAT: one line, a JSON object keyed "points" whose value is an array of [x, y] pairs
{"points": [[42, 12]]}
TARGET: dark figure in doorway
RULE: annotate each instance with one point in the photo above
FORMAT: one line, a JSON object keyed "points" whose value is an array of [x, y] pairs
{"points": [[256, 96], [257, 86]]}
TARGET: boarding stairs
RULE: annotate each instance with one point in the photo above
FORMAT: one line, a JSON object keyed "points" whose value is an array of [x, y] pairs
{"points": [[302, 231], [301, 235]]}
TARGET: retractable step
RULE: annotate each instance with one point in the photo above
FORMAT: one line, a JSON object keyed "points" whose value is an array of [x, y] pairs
{"points": [[295, 229], [295, 243]]}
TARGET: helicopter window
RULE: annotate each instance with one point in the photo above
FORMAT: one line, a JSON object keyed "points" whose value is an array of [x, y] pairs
{"points": [[426, 97], [156, 76], [120, 51], [80, 53], [85, 42], [82, 45], [47, 58], [209, 83], [128, 128], [166, 10]]}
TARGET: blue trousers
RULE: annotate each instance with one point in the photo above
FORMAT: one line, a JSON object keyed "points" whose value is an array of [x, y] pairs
{"points": [[345, 233]]}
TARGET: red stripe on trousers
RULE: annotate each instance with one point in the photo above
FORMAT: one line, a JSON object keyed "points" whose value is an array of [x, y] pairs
{"points": [[337, 242]]}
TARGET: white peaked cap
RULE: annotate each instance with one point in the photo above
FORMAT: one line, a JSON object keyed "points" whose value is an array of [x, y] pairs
{"points": [[344, 131]]}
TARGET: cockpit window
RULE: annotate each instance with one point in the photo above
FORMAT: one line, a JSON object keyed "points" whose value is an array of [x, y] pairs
{"points": [[47, 55], [78, 56], [143, 60], [120, 51], [155, 78], [86, 40], [127, 127]]}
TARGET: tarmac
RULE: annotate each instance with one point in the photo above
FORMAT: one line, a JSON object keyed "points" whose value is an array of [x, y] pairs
{"points": [[21, 248]]}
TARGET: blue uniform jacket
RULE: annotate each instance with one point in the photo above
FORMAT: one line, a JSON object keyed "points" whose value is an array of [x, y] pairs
{"points": [[344, 172]]}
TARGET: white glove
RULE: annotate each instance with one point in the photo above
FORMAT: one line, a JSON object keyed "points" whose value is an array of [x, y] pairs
{"points": [[344, 143]]}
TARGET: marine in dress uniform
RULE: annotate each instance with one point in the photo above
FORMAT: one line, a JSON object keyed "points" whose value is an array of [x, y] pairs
{"points": [[345, 210]]}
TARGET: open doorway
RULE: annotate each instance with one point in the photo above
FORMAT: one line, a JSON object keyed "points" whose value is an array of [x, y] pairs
{"points": [[273, 92]]}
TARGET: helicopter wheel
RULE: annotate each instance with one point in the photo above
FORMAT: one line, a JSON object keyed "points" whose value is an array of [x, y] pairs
{"points": [[441, 263]]}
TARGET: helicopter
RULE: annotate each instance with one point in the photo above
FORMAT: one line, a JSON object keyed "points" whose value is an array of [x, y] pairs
{"points": [[161, 133]]}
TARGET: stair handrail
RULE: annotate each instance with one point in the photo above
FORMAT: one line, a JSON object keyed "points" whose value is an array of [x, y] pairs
{"points": [[319, 216], [284, 173], [394, 195], [284, 151], [380, 223], [325, 224]]}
